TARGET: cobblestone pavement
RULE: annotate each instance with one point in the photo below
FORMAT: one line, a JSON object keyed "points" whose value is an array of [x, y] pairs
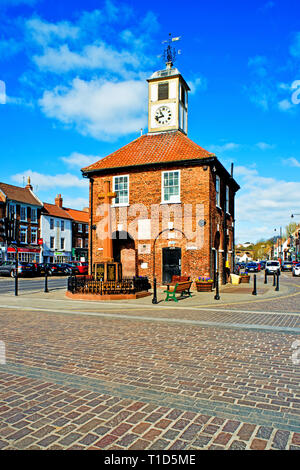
{"points": [[173, 378]]}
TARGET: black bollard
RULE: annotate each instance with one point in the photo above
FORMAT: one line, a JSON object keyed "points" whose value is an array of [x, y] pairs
{"points": [[154, 300], [254, 292], [16, 281], [266, 278], [277, 283], [217, 296], [46, 282], [274, 279]]}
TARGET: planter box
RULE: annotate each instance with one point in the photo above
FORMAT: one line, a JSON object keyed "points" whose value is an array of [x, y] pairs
{"points": [[204, 286], [244, 279]]}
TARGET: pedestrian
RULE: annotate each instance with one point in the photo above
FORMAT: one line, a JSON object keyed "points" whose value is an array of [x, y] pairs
{"points": [[227, 271]]}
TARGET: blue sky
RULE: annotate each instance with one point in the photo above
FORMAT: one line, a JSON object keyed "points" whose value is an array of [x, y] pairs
{"points": [[75, 78]]}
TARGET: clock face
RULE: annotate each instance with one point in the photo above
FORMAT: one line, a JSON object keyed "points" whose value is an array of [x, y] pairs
{"points": [[163, 115]]}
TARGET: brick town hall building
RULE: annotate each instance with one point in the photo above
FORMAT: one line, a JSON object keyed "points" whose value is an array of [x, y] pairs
{"points": [[173, 211]]}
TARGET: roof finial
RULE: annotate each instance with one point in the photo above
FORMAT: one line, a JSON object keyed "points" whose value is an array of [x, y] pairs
{"points": [[170, 52], [28, 185]]}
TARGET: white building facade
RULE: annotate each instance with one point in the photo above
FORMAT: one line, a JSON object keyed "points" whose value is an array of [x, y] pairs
{"points": [[56, 234]]}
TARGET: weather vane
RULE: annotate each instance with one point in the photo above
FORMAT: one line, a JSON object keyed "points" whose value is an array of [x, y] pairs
{"points": [[170, 51]]}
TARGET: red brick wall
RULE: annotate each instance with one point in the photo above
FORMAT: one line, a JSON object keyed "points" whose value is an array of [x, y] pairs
{"points": [[197, 187]]}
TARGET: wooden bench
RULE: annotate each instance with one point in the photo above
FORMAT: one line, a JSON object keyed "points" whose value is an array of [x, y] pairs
{"points": [[176, 279], [180, 287]]}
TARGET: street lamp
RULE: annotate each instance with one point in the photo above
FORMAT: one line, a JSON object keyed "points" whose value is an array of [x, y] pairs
{"points": [[154, 300], [296, 244]]}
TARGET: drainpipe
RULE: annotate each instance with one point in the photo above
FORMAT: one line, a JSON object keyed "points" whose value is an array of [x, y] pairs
{"points": [[91, 225]]}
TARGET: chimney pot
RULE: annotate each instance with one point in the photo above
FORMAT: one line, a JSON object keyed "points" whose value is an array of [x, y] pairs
{"points": [[58, 201]]}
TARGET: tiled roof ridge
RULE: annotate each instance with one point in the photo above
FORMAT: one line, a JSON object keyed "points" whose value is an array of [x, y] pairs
{"points": [[20, 190], [152, 150], [115, 152], [57, 208]]}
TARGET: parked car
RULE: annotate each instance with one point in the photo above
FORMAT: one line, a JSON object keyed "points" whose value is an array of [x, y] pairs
{"points": [[71, 268], [286, 266], [8, 268], [262, 265], [296, 270], [252, 267], [83, 266], [41, 269], [272, 267], [55, 269]]}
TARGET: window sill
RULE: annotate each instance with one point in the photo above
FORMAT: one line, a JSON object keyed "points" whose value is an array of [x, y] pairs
{"points": [[125, 204], [218, 207], [170, 202]]}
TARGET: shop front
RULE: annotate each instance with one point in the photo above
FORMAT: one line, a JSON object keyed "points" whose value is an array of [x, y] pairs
{"points": [[25, 255], [80, 254]]}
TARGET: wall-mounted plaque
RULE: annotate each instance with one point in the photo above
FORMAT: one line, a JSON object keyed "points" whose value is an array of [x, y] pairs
{"points": [[144, 249], [111, 272], [99, 270]]}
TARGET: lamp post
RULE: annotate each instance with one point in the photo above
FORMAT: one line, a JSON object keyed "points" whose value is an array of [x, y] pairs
{"points": [[296, 243], [12, 245], [154, 299]]}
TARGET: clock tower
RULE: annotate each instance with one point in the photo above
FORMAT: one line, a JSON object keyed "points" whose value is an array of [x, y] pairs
{"points": [[167, 101]]}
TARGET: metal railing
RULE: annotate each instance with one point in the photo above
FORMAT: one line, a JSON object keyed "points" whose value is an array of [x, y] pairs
{"points": [[88, 285]]}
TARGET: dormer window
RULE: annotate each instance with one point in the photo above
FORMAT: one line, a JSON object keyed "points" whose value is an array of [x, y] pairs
{"points": [[163, 91]]}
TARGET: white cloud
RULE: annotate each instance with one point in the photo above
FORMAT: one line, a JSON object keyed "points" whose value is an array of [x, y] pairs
{"points": [[223, 148], [9, 47], [79, 160], [99, 108], [98, 56], [44, 32], [291, 162], [43, 181], [263, 203], [199, 83], [264, 146], [75, 202], [285, 105], [295, 47]]}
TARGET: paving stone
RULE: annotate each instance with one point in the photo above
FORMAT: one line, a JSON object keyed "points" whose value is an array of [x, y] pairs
{"points": [[140, 444], [238, 445], [232, 402], [264, 432], [246, 431], [280, 439], [47, 441], [88, 439], [258, 444], [69, 439]]}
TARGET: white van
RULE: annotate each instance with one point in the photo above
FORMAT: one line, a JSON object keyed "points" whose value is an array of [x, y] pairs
{"points": [[272, 267]]}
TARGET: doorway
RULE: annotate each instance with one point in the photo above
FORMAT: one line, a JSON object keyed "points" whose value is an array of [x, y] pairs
{"points": [[171, 263]]}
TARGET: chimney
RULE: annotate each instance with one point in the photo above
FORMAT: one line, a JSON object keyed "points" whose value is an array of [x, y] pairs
{"points": [[58, 201], [28, 185]]}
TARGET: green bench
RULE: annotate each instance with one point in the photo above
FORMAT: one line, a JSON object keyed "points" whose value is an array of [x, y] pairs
{"points": [[180, 287]]}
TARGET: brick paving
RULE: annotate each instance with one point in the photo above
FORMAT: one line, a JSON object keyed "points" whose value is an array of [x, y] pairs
{"points": [[156, 379]]}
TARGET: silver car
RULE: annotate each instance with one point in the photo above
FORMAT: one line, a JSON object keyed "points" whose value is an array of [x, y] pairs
{"points": [[272, 267], [296, 270]]}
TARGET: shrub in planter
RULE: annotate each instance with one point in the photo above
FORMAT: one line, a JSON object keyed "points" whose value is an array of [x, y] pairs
{"points": [[204, 284], [245, 278]]}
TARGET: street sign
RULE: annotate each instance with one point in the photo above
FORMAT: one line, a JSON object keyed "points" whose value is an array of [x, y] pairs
{"points": [[40, 241]]}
